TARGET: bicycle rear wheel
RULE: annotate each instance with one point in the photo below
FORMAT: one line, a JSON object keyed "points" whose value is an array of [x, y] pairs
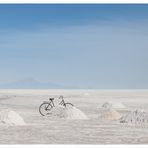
{"points": [[69, 105], [45, 108]]}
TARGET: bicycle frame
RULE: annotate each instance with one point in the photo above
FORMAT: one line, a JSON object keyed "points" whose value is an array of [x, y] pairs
{"points": [[49, 103], [52, 103]]}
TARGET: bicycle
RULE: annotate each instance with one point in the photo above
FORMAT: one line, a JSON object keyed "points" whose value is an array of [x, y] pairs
{"points": [[47, 106]]}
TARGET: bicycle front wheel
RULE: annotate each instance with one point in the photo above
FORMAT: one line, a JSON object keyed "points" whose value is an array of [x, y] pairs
{"points": [[45, 108]]}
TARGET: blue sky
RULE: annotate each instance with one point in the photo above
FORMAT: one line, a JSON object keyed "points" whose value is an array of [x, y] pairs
{"points": [[83, 46]]}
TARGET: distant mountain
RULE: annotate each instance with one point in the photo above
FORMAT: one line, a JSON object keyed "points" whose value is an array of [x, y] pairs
{"points": [[30, 83]]}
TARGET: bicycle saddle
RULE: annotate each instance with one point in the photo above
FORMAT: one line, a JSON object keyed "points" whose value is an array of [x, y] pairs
{"points": [[51, 99]]}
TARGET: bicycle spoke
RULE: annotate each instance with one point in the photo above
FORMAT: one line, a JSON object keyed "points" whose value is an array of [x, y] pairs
{"points": [[45, 108]]}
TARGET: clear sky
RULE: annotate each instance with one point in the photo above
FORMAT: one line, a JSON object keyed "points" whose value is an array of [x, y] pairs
{"points": [[83, 46]]}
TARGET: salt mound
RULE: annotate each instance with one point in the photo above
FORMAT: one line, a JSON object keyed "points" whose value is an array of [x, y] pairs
{"points": [[137, 116], [115, 105], [109, 114], [107, 105], [75, 113], [67, 113], [11, 118]]}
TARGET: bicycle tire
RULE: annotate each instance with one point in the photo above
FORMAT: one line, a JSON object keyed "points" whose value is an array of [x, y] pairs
{"points": [[43, 110]]}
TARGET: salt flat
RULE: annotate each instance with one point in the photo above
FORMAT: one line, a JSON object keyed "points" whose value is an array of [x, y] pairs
{"points": [[44, 130]]}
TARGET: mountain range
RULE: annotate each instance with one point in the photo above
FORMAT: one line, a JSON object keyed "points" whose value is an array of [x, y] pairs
{"points": [[30, 83]]}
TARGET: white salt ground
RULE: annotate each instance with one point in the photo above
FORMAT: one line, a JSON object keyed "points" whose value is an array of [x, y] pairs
{"points": [[86, 94], [11, 118], [67, 113]]}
